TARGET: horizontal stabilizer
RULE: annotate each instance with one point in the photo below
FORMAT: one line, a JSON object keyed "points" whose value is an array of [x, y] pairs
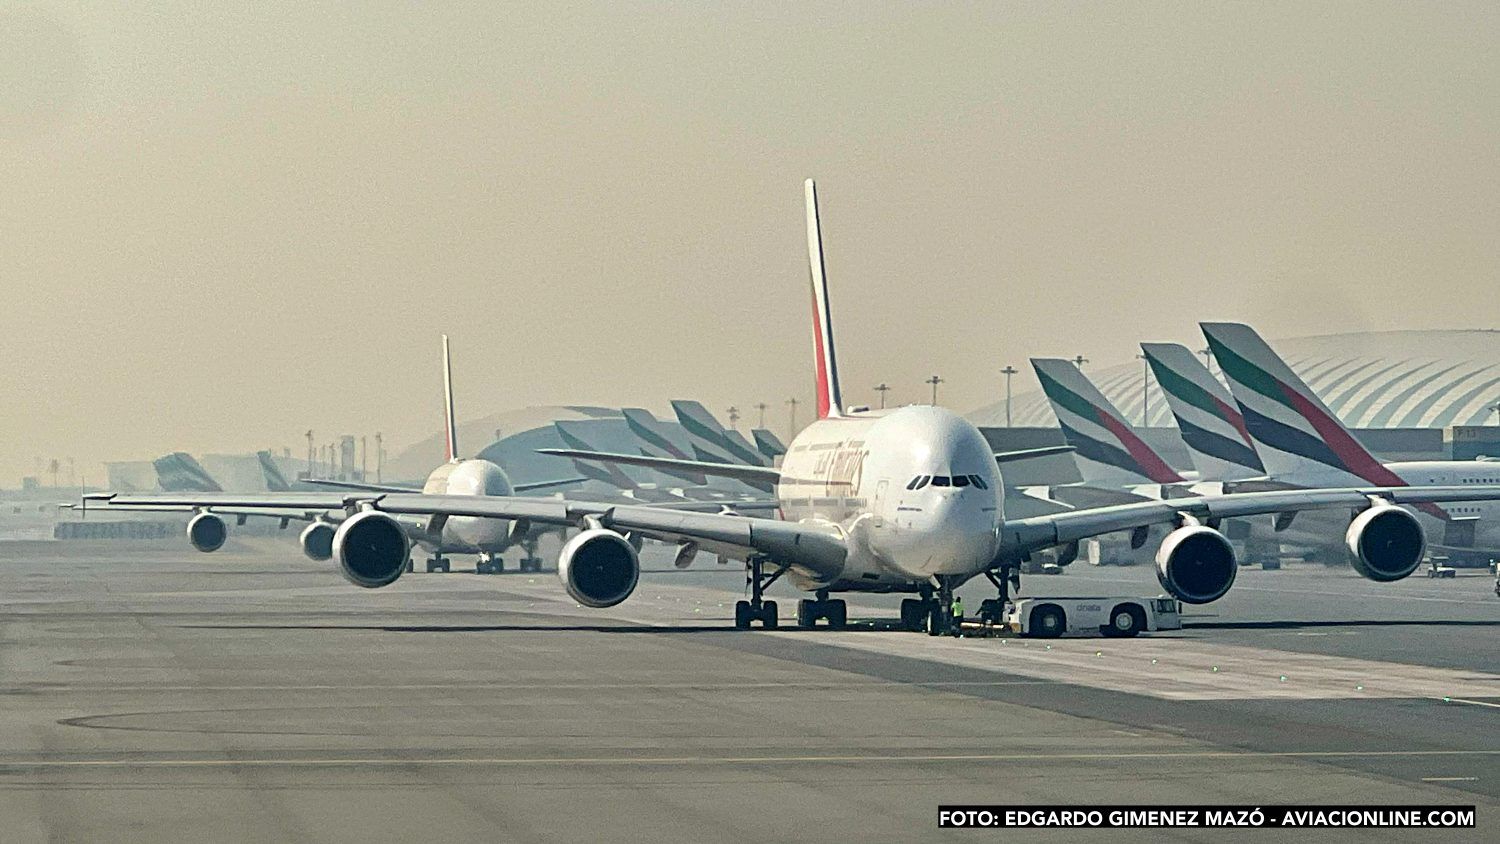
{"points": [[1029, 453]]}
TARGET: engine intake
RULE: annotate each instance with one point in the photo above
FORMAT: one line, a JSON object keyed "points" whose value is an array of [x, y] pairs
{"points": [[1386, 543], [371, 549], [599, 568], [317, 541], [207, 532], [1196, 564]]}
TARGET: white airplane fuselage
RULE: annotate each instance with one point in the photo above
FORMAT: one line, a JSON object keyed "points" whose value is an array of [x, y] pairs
{"points": [[853, 472], [466, 534]]}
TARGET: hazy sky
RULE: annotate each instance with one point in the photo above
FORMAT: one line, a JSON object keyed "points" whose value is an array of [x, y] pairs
{"points": [[223, 226]]}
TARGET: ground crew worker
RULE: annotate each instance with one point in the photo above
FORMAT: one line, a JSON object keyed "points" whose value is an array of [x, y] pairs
{"points": [[957, 615]]}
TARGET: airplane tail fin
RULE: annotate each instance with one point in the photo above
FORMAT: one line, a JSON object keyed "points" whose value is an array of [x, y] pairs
{"points": [[180, 472], [1107, 449], [830, 400], [275, 480], [1212, 427], [450, 425], [1293, 430]]}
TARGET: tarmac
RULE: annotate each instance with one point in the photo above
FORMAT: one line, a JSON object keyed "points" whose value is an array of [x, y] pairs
{"points": [[152, 693]]}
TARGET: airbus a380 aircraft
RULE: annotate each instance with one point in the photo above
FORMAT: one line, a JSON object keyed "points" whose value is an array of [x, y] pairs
{"points": [[900, 500]]}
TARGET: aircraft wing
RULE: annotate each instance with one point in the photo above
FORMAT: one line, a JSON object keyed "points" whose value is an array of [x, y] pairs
{"points": [[1022, 536], [761, 475], [816, 548]]}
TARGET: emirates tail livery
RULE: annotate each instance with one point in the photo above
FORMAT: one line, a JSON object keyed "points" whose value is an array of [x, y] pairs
{"points": [[900, 500], [1303, 444]]}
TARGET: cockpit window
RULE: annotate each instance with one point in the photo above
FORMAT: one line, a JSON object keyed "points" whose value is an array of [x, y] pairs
{"points": [[912, 484], [922, 481], [960, 480], [978, 481], [939, 480]]}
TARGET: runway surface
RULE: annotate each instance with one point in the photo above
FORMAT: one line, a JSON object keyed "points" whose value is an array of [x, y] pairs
{"points": [[151, 693]]}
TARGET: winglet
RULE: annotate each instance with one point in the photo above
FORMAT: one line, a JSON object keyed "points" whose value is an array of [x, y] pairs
{"points": [[451, 425], [830, 400]]}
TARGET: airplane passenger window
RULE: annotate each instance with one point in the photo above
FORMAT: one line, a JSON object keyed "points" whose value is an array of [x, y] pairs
{"points": [[939, 480], [960, 480]]}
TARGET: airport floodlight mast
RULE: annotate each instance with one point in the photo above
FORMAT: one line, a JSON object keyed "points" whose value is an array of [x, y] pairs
{"points": [[792, 403], [310, 454], [1008, 371], [882, 388], [934, 381], [364, 458], [1208, 358], [1080, 361], [734, 417], [761, 406], [1145, 390], [379, 455]]}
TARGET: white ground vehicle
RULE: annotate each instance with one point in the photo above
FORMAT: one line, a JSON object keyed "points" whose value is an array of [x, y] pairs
{"points": [[1048, 618]]}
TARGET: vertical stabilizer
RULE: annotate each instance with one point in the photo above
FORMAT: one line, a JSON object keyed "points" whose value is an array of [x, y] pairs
{"points": [[448, 419], [830, 400], [1107, 449], [1298, 437], [1212, 427]]}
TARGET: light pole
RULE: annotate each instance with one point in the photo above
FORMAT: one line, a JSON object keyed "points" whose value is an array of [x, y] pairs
{"points": [[792, 402], [1145, 389], [364, 458], [310, 472], [734, 417], [934, 381], [1208, 359], [379, 455], [1007, 372], [882, 388], [761, 406], [1080, 361]]}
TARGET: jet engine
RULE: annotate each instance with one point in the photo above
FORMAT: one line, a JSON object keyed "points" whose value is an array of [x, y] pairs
{"points": [[599, 568], [207, 532], [1386, 543], [1196, 564], [371, 549], [317, 541]]}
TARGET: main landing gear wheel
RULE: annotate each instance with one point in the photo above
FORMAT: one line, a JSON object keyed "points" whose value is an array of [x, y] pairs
{"points": [[745, 614], [914, 613], [489, 564], [832, 610], [991, 610], [437, 563]]}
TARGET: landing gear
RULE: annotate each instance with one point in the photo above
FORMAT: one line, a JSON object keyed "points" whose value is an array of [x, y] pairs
{"points": [[914, 613], [757, 608], [437, 562], [531, 562], [992, 610], [939, 613], [832, 610], [489, 563]]}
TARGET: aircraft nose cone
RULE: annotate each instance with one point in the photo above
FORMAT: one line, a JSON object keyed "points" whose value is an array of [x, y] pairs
{"points": [[964, 533]]}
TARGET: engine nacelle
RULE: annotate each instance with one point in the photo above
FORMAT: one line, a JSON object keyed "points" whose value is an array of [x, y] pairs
{"points": [[371, 549], [599, 568], [317, 541], [1196, 564], [207, 532], [1386, 543]]}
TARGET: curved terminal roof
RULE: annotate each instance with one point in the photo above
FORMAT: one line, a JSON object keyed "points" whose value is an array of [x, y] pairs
{"points": [[1377, 379]]}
